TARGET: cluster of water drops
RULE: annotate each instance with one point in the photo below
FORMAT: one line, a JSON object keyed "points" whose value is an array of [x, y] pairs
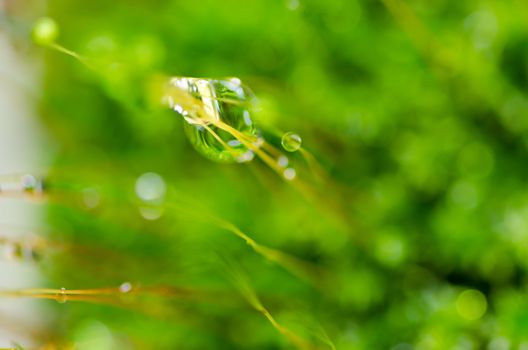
{"points": [[15, 186], [217, 115]]}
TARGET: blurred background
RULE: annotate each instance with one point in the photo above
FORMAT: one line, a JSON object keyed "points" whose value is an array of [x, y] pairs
{"points": [[406, 226]]}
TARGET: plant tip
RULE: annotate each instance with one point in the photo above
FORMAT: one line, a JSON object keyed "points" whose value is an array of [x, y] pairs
{"points": [[45, 31]]}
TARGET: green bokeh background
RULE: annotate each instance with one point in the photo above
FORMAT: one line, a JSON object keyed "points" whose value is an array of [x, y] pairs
{"points": [[417, 111]]}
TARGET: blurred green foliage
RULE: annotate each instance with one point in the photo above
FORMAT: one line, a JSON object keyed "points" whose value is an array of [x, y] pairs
{"points": [[417, 110]]}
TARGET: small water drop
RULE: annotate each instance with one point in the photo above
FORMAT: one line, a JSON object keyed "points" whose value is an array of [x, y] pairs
{"points": [[247, 118], [125, 287], [234, 143], [207, 105], [17, 251], [283, 161], [151, 188], [32, 253], [151, 213], [61, 296], [24, 184], [45, 31], [14, 251], [246, 157], [291, 142], [289, 174], [91, 198], [29, 183], [259, 142]]}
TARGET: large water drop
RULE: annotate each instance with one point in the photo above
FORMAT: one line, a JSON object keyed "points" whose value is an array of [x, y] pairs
{"points": [[217, 115]]}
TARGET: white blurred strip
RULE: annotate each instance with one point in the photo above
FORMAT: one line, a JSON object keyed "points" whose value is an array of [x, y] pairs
{"points": [[20, 153]]}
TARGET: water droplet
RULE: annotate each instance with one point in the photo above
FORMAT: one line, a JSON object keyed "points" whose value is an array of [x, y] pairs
{"points": [[208, 104], [29, 183], [246, 157], [14, 251], [247, 118], [61, 296], [151, 188], [21, 251], [151, 213], [91, 198], [32, 253], [125, 287], [258, 142], [283, 161], [291, 142], [234, 143], [289, 174], [16, 184], [45, 31]]}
